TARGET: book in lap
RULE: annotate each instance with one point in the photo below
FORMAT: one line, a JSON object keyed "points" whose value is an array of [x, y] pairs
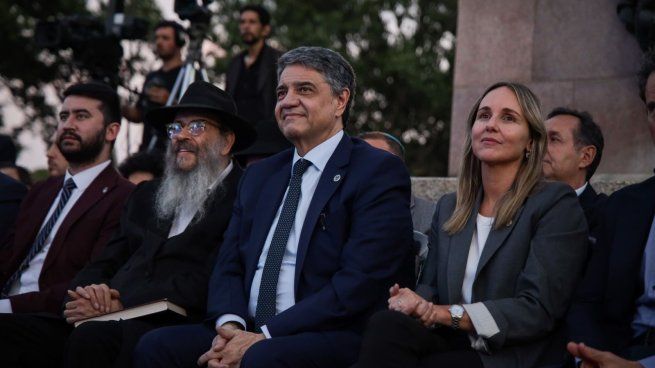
{"points": [[162, 306]]}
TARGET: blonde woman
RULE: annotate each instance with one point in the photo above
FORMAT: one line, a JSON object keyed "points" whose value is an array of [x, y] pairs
{"points": [[505, 253]]}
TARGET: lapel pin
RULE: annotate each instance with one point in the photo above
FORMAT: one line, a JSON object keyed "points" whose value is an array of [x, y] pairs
{"points": [[104, 190], [336, 178]]}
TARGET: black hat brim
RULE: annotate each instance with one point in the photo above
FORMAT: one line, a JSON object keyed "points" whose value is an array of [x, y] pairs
{"points": [[245, 134]]}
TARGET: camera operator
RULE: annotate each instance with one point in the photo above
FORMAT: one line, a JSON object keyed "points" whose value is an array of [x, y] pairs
{"points": [[169, 41], [251, 76]]}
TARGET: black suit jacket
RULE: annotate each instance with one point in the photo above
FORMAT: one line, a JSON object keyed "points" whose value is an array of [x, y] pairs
{"points": [[11, 194], [592, 204], [144, 265], [267, 80], [605, 303]]}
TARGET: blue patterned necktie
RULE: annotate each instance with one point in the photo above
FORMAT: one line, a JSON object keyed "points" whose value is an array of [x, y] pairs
{"points": [[266, 301], [41, 238]]}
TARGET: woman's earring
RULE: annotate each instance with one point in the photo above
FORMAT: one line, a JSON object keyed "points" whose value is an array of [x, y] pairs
{"points": [[527, 154]]}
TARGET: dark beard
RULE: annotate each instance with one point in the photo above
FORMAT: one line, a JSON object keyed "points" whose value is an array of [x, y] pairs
{"points": [[251, 41], [87, 152]]}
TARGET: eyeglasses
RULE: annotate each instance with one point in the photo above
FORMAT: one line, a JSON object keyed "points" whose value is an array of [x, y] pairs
{"points": [[194, 127]]}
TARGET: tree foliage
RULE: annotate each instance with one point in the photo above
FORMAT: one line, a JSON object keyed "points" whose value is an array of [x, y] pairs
{"points": [[402, 52]]}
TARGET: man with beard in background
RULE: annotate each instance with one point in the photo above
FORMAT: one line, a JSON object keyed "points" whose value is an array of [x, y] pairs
{"points": [[169, 41], [251, 76], [170, 232], [66, 220]]}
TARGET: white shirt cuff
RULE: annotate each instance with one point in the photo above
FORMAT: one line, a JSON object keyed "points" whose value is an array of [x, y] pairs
{"points": [[648, 362], [483, 321], [220, 321], [5, 306], [265, 332]]}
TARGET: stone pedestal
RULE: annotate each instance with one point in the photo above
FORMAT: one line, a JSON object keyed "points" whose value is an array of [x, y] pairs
{"points": [[571, 53]]}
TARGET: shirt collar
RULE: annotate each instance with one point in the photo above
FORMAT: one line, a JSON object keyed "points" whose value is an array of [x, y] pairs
{"points": [[221, 176], [84, 178], [581, 189], [320, 154]]}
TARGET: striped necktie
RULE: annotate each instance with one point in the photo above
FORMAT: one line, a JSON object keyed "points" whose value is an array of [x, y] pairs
{"points": [[41, 238]]}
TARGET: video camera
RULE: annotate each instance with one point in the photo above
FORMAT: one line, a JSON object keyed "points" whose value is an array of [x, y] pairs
{"points": [[95, 42]]}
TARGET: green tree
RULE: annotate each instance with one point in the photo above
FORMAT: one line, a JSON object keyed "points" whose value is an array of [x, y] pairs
{"points": [[402, 52], [27, 71]]}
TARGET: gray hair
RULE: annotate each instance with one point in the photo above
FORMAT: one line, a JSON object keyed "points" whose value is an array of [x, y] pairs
{"points": [[338, 73]]}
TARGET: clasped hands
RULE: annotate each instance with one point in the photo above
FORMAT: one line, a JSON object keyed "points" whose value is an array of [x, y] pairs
{"points": [[91, 301], [228, 347], [406, 301]]}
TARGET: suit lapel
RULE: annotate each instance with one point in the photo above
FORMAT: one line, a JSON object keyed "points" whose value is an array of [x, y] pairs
{"points": [[495, 240], [331, 178], [103, 184], [49, 195], [458, 251]]}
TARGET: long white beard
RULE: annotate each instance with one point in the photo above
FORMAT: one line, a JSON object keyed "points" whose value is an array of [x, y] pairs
{"points": [[187, 190]]}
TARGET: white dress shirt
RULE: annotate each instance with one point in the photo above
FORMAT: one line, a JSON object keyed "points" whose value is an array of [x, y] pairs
{"points": [[319, 157], [29, 279], [482, 320], [185, 214], [581, 189]]}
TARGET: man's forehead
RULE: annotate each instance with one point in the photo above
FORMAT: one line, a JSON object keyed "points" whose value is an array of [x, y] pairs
{"points": [[249, 14], [562, 123], [296, 73], [196, 115], [74, 102], [164, 31]]}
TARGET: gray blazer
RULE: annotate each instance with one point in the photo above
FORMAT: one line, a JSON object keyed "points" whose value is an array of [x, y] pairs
{"points": [[525, 277]]}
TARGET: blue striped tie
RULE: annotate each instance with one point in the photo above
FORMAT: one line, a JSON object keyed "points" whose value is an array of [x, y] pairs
{"points": [[41, 238], [266, 301]]}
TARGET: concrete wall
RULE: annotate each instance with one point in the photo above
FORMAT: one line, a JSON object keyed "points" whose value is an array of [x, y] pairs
{"points": [[573, 53]]}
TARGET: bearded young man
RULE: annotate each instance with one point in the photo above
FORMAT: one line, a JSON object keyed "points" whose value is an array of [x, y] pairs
{"points": [[66, 220], [169, 234], [251, 76]]}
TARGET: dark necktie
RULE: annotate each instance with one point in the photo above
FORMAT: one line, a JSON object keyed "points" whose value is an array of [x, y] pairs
{"points": [[266, 300], [41, 238]]}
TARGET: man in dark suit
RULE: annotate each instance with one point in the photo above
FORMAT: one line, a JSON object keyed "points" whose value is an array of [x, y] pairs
{"points": [[165, 247], [310, 255], [65, 221], [250, 76], [615, 306], [11, 194], [575, 148]]}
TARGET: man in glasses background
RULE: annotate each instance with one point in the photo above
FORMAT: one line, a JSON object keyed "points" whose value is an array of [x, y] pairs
{"points": [[169, 234]]}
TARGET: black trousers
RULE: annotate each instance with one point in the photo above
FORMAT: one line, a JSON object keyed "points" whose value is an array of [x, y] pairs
{"points": [[394, 340], [32, 340], [38, 341]]}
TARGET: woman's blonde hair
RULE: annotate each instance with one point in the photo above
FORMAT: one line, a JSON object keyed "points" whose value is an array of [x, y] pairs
{"points": [[527, 177]]}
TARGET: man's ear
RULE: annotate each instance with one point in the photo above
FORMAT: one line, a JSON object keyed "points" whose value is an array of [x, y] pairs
{"points": [[342, 101], [230, 138], [266, 30], [587, 156], [111, 132]]}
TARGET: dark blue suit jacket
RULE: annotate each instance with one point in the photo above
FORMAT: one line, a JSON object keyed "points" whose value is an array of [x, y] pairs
{"points": [[356, 240], [604, 306]]}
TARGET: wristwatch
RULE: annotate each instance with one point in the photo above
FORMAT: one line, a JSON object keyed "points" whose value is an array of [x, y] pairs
{"points": [[456, 314]]}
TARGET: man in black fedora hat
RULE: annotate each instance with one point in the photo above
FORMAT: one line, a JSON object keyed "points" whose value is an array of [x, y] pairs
{"points": [[170, 232]]}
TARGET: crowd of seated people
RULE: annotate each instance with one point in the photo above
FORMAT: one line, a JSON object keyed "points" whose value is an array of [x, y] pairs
{"points": [[289, 243]]}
